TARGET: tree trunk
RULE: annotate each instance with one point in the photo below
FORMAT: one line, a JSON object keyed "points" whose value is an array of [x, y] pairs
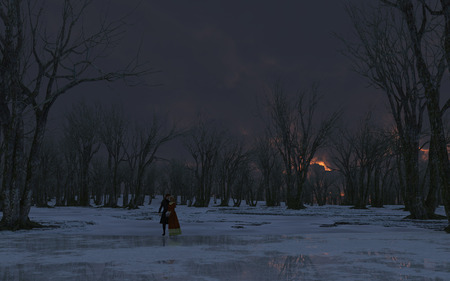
{"points": [[126, 192], [431, 202], [16, 191], [84, 199]]}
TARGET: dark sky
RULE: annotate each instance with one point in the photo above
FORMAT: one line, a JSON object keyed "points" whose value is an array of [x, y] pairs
{"points": [[218, 57]]}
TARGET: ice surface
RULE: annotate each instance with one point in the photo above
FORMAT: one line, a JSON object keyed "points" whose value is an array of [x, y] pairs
{"points": [[319, 243]]}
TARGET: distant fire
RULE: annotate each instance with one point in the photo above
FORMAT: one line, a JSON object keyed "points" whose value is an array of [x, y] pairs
{"points": [[424, 154], [321, 163], [425, 151]]}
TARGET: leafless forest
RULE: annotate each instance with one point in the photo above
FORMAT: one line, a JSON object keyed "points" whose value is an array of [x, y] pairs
{"points": [[302, 156]]}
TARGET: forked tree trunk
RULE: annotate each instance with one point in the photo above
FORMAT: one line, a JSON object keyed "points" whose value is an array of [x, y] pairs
{"points": [[432, 100]]}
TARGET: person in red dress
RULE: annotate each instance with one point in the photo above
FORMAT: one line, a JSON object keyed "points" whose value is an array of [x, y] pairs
{"points": [[174, 224]]}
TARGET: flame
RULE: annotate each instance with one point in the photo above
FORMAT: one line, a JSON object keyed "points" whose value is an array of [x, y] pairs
{"points": [[424, 153], [321, 163]]}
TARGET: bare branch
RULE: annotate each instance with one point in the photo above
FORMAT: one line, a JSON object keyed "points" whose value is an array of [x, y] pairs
{"points": [[390, 3], [445, 107], [431, 11]]}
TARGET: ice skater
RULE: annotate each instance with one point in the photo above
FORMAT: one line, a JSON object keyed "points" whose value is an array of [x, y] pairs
{"points": [[174, 224], [164, 215]]}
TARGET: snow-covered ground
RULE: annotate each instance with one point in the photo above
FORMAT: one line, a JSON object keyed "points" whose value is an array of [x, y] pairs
{"points": [[261, 243]]}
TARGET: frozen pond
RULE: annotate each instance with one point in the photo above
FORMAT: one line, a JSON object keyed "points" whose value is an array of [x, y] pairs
{"points": [[267, 257], [328, 243]]}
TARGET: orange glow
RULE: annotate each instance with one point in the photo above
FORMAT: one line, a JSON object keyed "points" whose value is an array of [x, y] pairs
{"points": [[321, 163], [424, 153], [342, 194]]}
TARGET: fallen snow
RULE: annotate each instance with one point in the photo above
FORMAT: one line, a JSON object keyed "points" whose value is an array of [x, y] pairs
{"points": [[246, 243]]}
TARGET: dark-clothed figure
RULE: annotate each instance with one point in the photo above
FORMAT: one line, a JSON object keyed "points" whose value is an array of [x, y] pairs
{"points": [[164, 207]]}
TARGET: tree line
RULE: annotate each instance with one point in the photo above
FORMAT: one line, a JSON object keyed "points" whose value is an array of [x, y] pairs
{"points": [[102, 157]]}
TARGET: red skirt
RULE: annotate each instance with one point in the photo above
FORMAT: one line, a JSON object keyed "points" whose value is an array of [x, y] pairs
{"points": [[174, 224]]}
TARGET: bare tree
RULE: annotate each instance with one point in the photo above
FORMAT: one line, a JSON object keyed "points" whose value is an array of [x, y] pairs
{"points": [[385, 56], [244, 189], [297, 136], [430, 73], [253, 191], [370, 150], [204, 143], [383, 171], [178, 177], [81, 130], [269, 166], [143, 153], [344, 161], [68, 190], [60, 174], [231, 155], [38, 64], [320, 181], [99, 179], [150, 182], [113, 136], [46, 179], [363, 159]]}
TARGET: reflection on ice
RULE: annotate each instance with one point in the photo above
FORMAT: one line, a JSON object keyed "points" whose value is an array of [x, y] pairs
{"points": [[78, 257], [66, 243], [61, 257], [68, 271]]}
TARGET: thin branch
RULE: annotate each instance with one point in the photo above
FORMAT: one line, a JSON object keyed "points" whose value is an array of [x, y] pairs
{"points": [[445, 107], [389, 3]]}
